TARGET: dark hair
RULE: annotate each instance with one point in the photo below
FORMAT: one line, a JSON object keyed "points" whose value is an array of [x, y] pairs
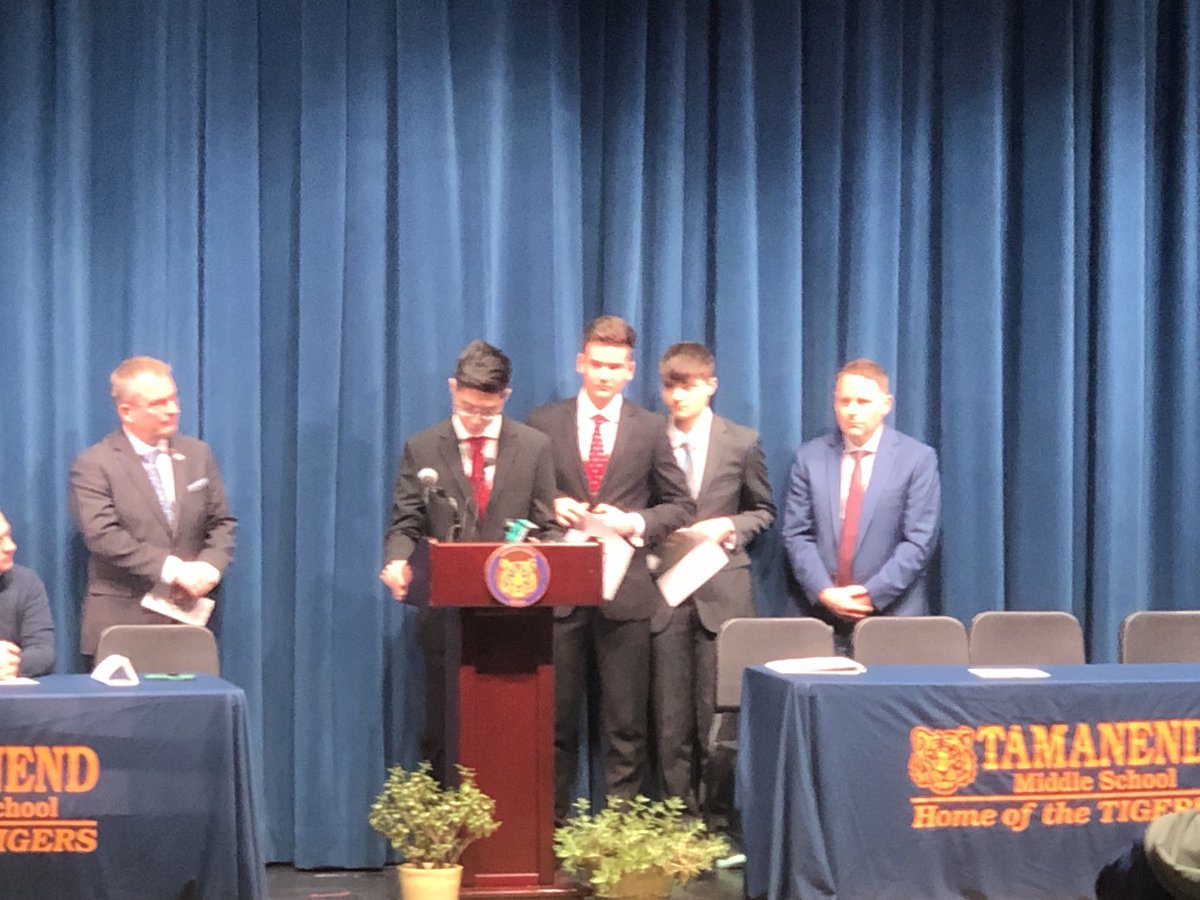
{"points": [[611, 330], [483, 367], [865, 368], [684, 362]]}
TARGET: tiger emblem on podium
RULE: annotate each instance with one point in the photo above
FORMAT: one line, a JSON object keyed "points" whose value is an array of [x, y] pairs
{"points": [[517, 574]]}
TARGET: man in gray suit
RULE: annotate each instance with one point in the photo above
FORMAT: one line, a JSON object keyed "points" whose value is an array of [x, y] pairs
{"points": [[862, 511], [727, 474], [150, 505]]}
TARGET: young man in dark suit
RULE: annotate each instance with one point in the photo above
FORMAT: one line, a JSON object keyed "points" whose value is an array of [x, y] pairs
{"points": [[487, 469], [150, 504], [727, 474], [611, 459]]}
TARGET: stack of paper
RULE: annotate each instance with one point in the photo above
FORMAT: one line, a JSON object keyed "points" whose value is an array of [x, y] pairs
{"points": [[1008, 672], [817, 665]]}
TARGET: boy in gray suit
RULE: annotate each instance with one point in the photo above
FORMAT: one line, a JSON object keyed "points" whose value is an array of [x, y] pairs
{"points": [[727, 474]]}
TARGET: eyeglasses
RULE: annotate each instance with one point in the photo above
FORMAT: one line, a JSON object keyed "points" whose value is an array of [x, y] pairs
{"points": [[159, 404], [471, 412]]}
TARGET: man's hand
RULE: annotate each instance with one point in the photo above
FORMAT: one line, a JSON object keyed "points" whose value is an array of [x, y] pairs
{"points": [[618, 520], [197, 578], [397, 575], [10, 660], [716, 530], [850, 602], [569, 512]]}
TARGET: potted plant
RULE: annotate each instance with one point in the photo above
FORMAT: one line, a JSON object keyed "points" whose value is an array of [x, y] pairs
{"points": [[432, 826], [636, 848]]}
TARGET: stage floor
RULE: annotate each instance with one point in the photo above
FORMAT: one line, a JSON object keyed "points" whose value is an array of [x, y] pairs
{"points": [[286, 883]]}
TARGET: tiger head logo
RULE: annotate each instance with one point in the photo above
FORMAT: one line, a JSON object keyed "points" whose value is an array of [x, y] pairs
{"points": [[517, 574], [518, 578], [942, 760]]}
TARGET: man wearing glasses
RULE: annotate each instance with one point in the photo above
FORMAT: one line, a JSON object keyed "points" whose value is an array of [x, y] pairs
{"points": [[464, 479], [150, 504]]}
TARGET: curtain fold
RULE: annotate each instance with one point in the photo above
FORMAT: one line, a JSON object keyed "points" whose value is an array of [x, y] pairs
{"points": [[309, 207]]}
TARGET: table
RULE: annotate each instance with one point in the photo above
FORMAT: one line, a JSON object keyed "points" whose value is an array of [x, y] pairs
{"points": [[913, 781], [125, 793]]}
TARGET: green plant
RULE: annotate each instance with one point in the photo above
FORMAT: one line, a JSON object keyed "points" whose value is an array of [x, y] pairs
{"points": [[634, 836], [432, 825]]}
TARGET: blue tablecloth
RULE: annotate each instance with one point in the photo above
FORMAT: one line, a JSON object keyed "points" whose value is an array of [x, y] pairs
{"points": [[127, 793], [912, 781]]}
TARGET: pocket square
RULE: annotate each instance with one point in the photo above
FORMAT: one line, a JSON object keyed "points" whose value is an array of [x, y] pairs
{"points": [[198, 485]]}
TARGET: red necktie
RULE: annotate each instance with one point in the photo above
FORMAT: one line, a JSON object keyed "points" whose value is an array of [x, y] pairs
{"points": [[854, 498], [597, 459], [478, 476]]}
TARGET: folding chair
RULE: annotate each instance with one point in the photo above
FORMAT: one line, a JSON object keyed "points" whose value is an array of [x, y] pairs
{"points": [[910, 640], [1161, 636], [162, 648], [1019, 638], [752, 642]]}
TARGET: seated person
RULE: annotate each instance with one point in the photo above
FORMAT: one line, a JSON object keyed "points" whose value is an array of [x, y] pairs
{"points": [[1163, 865], [26, 629]]}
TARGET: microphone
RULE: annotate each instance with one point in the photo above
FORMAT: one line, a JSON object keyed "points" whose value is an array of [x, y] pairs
{"points": [[429, 487]]}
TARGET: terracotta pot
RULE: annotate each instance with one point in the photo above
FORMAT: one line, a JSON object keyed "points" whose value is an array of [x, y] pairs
{"points": [[642, 886], [419, 883]]}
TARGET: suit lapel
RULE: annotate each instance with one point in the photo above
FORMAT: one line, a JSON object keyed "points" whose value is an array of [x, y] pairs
{"points": [[179, 468], [506, 451], [136, 473], [714, 455], [620, 443], [568, 437], [452, 463], [833, 475]]}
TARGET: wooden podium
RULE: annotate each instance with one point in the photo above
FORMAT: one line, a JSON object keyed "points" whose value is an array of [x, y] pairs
{"points": [[503, 721]]}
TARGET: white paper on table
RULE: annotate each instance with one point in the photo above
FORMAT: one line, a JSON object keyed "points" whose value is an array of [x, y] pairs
{"points": [[817, 665], [17, 681], [688, 560], [1008, 672], [186, 610], [617, 551]]}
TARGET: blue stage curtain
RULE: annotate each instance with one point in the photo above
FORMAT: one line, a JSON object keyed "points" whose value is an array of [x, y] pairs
{"points": [[309, 207]]}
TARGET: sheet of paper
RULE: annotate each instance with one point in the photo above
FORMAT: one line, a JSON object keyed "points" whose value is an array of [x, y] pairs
{"points": [[1008, 672], [688, 560], [183, 609], [4, 682], [817, 665], [617, 551]]}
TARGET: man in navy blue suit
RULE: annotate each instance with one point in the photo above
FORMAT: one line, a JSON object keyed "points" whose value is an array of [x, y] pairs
{"points": [[862, 510]]}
